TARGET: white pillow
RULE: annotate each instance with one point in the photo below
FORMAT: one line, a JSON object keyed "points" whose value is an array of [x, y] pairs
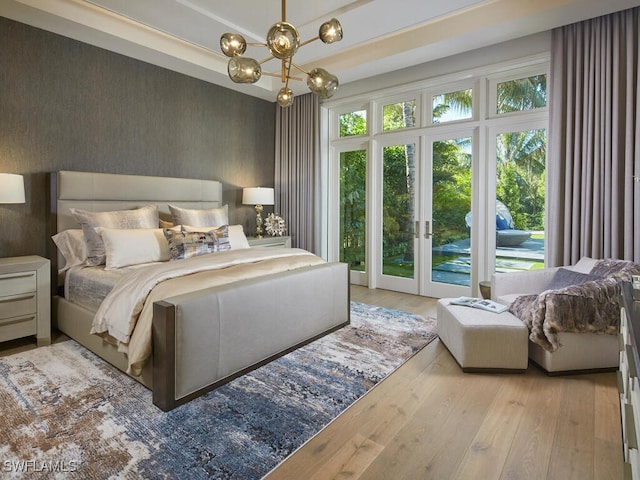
{"points": [[237, 238], [72, 247], [200, 218], [143, 217], [133, 246]]}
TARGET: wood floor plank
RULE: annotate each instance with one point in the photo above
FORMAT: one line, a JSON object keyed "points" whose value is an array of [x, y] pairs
{"points": [[573, 446], [432, 445], [530, 451], [351, 460], [488, 451], [608, 460]]}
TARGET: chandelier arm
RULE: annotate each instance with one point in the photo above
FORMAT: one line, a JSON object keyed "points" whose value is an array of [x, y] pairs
{"points": [[266, 60], [307, 42], [286, 84], [284, 10], [300, 68], [256, 44], [277, 75]]}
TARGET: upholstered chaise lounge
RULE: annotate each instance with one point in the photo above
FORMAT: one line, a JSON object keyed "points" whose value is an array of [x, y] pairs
{"points": [[572, 312]]}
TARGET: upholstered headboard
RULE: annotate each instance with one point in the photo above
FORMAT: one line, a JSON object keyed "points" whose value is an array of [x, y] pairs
{"points": [[99, 192]]}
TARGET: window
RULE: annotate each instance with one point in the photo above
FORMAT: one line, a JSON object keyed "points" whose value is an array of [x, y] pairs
{"points": [[449, 107], [522, 94], [520, 199], [399, 115], [353, 123], [353, 202]]}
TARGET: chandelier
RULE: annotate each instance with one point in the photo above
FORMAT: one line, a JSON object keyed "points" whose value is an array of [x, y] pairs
{"points": [[282, 41]]}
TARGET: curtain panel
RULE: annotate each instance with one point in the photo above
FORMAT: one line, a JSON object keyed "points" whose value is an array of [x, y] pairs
{"points": [[297, 170], [594, 140]]}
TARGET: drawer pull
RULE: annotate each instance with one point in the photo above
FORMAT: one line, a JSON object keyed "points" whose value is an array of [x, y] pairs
{"points": [[18, 275], [630, 427], [13, 298], [632, 364], [12, 320]]}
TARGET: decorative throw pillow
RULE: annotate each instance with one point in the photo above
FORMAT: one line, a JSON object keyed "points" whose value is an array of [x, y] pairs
{"points": [[565, 278], [200, 218], [133, 246], [237, 238], [144, 217], [185, 244], [72, 247], [222, 238]]}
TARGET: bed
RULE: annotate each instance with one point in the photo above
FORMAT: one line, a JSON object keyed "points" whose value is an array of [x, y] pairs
{"points": [[203, 331]]}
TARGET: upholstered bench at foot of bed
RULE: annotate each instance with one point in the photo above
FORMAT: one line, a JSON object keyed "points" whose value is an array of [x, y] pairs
{"points": [[481, 340]]}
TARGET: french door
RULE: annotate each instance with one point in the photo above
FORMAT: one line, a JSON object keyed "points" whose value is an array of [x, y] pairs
{"points": [[421, 221], [448, 265], [396, 224]]}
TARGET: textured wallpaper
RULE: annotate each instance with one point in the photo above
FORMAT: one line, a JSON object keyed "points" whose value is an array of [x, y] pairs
{"points": [[66, 105]]}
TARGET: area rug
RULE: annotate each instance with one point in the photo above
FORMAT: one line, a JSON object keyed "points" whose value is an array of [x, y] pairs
{"points": [[65, 413]]}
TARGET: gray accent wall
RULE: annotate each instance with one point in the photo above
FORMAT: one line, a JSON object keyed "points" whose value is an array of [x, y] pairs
{"points": [[67, 105]]}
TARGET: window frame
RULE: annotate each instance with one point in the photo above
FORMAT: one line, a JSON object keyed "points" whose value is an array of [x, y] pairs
{"points": [[514, 74], [379, 105], [334, 125], [445, 88]]}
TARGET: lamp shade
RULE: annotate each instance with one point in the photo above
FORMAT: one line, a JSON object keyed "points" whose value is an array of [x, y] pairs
{"points": [[257, 196], [11, 188]]}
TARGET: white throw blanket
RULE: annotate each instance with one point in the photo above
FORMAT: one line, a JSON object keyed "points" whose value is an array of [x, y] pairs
{"points": [[125, 315]]}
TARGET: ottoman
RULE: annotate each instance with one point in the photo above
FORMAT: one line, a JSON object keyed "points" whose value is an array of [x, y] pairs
{"points": [[481, 340]]}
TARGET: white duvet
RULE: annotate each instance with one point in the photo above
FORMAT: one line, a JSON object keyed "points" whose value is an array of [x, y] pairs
{"points": [[126, 314]]}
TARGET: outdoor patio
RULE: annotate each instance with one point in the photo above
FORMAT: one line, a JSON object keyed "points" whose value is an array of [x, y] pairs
{"points": [[456, 269]]}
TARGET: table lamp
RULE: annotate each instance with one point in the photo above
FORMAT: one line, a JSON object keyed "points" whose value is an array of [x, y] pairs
{"points": [[11, 188], [257, 196]]}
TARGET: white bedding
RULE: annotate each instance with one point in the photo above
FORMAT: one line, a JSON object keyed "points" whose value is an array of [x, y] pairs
{"points": [[125, 316]]}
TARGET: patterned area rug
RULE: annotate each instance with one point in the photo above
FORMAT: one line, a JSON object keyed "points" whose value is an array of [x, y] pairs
{"points": [[65, 413]]}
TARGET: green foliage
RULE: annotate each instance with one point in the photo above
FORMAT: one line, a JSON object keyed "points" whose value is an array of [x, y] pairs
{"points": [[451, 190], [353, 123], [521, 176], [458, 104], [522, 94], [397, 214], [353, 207], [399, 115]]}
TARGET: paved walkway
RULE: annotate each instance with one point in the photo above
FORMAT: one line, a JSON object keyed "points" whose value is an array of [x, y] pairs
{"points": [[457, 270]]}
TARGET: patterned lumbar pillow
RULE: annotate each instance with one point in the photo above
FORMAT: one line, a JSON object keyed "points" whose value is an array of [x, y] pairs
{"points": [[191, 244], [235, 234]]}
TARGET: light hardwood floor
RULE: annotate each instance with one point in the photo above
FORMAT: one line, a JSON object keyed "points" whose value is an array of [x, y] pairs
{"points": [[429, 420]]}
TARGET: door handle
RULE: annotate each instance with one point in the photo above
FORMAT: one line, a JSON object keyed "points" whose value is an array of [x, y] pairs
{"points": [[416, 231], [427, 227]]}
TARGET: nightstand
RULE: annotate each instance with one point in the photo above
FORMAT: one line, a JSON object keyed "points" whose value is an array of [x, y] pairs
{"points": [[270, 242], [25, 298]]}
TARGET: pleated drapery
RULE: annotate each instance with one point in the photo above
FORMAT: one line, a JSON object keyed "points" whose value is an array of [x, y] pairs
{"points": [[593, 200], [297, 170]]}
